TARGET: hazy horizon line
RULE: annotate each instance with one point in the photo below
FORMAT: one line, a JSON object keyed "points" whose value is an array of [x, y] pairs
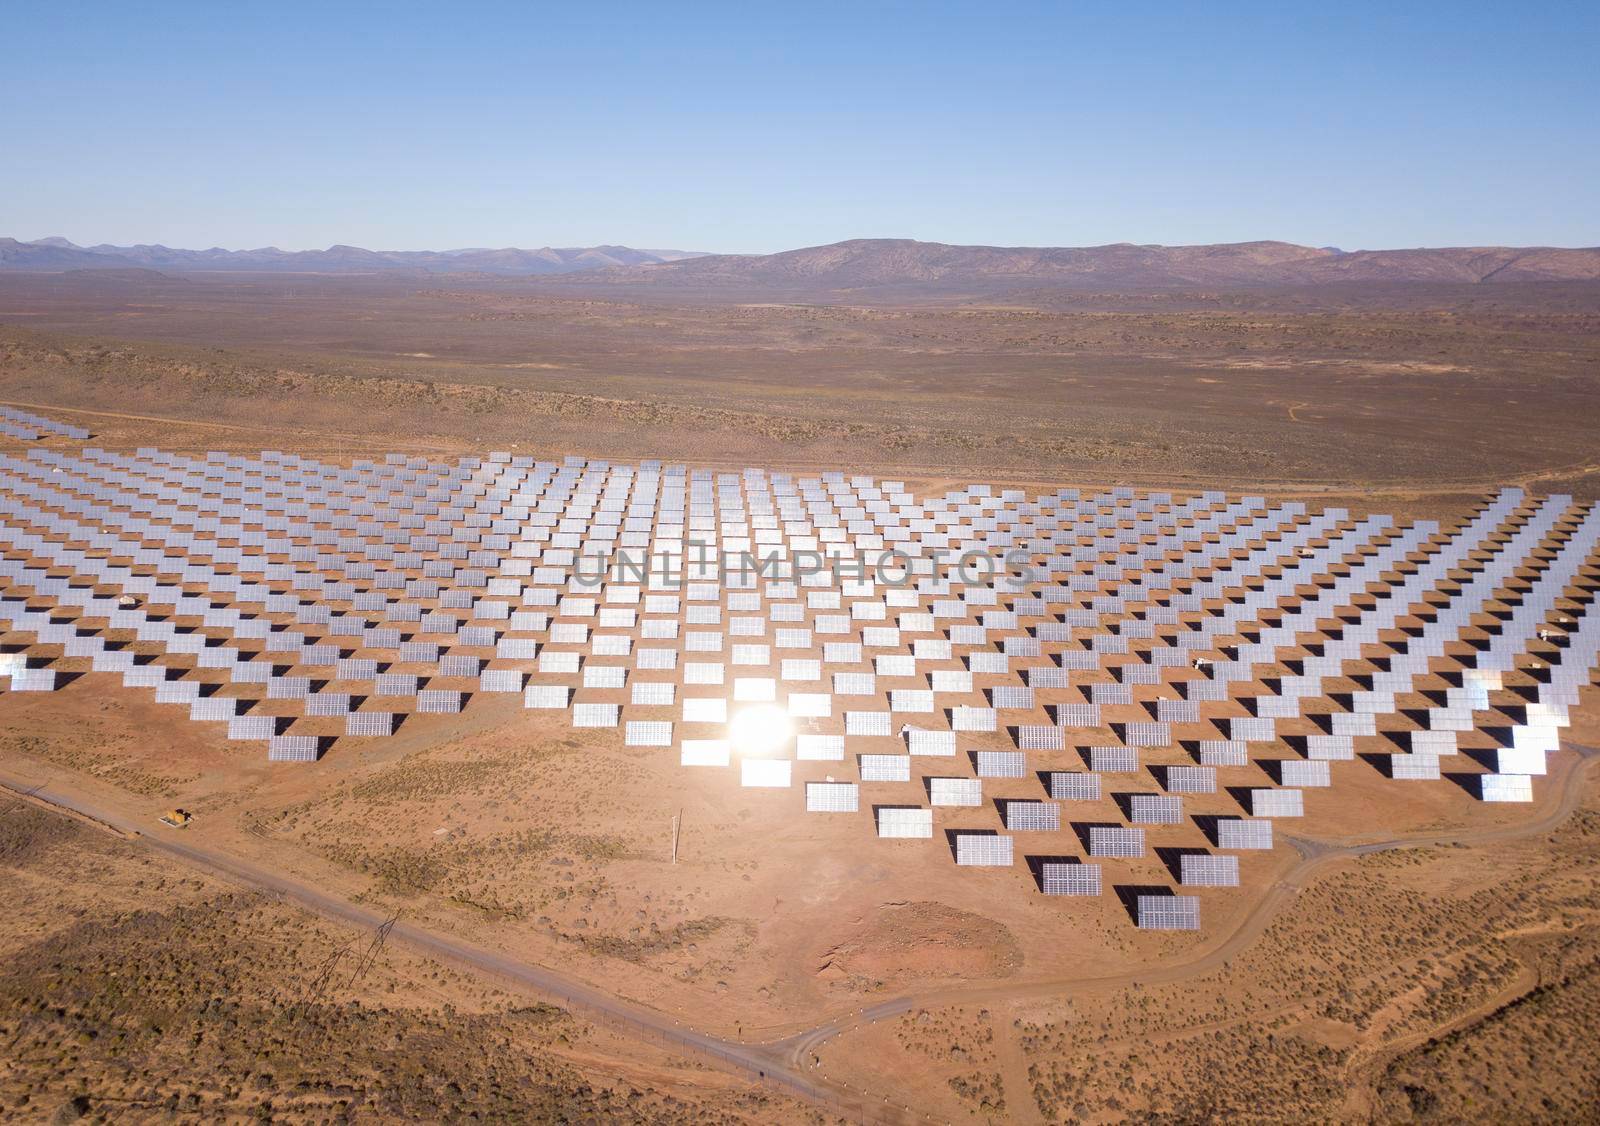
{"points": [[679, 249]]}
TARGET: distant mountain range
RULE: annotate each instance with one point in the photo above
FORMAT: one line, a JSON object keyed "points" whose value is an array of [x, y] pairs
{"points": [[58, 254], [866, 267], [876, 265]]}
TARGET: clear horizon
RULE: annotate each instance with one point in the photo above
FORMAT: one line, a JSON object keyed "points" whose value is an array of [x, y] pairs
{"points": [[722, 129], [774, 250]]}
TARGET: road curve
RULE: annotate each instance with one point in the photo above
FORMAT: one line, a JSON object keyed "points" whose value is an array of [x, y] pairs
{"points": [[799, 1048], [787, 1061]]}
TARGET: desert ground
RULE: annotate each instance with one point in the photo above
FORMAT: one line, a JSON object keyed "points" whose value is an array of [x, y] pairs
{"points": [[1407, 953], [1435, 393]]}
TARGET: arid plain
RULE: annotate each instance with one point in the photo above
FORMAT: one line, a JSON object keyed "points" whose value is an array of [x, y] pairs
{"points": [[1416, 980]]}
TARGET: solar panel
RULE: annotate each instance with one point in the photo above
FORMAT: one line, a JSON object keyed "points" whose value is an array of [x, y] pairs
{"points": [[558, 663], [595, 715], [647, 733], [292, 748], [920, 742], [854, 684], [1330, 748], [955, 791], [1037, 738], [327, 704], [904, 821], [372, 724], [982, 850], [1207, 870], [1069, 786], [1031, 816], [455, 665], [1251, 729], [1237, 833], [698, 709], [612, 677], [907, 700], [1113, 760], [1349, 723], [1103, 694], [665, 660], [1505, 787], [801, 670], [832, 797], [702, 673], [249, 727], [1148, 735], [1178, 711], [704, 752], [1060, 878], [1155, 809], [885, 768], [545, 696], [1115, 841], [972, 719], [1433, 742], [1191, 779], [654, 694], [500, 680], [1168, 912], [1416, 766], [1001, 764], [1298, 772], [1048, 676], [1276, 803], [1519, 760], [1078, 715], [1008, 697], [867, 723], [819, 748]]}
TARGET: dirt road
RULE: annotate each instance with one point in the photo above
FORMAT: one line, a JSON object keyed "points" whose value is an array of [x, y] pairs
{"points": [[758, 1061], [1315, 856], [791, 1061]]}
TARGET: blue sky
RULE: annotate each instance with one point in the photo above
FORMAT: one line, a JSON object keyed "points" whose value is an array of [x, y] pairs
{"points": [[756, 127]]}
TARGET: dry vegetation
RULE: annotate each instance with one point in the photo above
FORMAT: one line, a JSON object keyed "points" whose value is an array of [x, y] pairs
{"points": [[528, 835], [1435, 390], [106, 747], [1490, 1069], [1434, 984], [129, 992]]}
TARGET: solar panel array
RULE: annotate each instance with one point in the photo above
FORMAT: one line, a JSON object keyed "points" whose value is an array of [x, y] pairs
{"points": [[981, 644], [29, 427]]}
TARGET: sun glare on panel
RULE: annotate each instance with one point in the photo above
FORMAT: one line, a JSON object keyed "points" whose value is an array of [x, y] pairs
{"points": [[760, 730]]}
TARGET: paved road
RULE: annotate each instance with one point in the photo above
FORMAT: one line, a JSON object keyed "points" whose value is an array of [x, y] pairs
{"points": [[788, 1061]]}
